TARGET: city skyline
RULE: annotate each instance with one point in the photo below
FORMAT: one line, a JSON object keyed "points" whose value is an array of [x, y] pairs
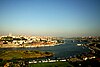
{"points": [[66, 18]]}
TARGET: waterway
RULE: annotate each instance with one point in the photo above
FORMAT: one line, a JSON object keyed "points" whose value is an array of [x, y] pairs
{"points": [[69, 48]]}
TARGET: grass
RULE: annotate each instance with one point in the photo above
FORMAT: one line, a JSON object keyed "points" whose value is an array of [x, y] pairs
{"points": [[17, 54]]}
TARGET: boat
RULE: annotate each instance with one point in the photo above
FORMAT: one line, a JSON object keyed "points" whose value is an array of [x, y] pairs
{"points": [[79, 44]]}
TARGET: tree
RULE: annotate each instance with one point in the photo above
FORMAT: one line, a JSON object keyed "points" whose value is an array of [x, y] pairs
{"points": [[10, 39]]}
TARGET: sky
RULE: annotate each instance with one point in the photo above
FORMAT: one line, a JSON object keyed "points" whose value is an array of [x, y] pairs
{"points": [[66, 18]]}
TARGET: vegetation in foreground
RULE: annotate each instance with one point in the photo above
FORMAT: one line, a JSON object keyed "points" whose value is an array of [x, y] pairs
{"points": [[55, 64], [23, 54]]}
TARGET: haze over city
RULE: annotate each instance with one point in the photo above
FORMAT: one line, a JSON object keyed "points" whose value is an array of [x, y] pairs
{"points": [[64, 18]]}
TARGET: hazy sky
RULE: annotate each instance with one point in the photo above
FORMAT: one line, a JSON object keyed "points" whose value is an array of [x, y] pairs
{"points": [[50, 17]]}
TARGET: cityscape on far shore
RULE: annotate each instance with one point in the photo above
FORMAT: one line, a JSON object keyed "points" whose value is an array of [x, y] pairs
{"points": [[9, 41]]}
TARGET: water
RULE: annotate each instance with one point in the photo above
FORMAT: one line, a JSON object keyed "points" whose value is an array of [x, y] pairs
{"points": [[61, 51]]}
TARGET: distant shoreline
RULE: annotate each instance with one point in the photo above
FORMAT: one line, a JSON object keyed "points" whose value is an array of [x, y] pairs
{"points": [[37, 46]]}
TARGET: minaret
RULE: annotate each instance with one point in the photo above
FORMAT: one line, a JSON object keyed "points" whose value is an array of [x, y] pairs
{"points": [[10, 34]]}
